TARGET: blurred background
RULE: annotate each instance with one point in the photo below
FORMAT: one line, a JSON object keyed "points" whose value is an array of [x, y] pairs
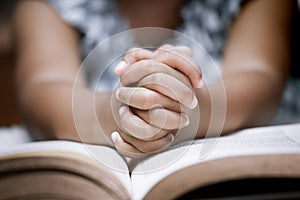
{"points": [[8, 105], [9, 113]]}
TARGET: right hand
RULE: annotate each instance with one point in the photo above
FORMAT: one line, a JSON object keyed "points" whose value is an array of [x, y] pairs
{"points": [[177, 57], [154, 79], [146, 130]]}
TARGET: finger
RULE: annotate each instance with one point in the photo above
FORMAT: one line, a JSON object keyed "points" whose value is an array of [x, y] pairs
{"points": [[124, 148], [145, 99], [143, 68], [133, 55], [183, 63], [184, 49], [174, 120], [149, 146], [138, 128], [170, 87]]}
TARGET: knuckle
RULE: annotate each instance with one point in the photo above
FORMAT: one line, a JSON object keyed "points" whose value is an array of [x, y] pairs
{"points": [[166, 53], [130, 54], [158, 114], [141, 52], [184, 49], [137, 155], [124, 96], [186, 93], [146, 62], [182, 78], [132, 50], [154, 113], [174, 122], [127, 152], [143, 62], [154, 78], [156, 134], [146, 100], [166, 46], [149, 147], [167, 120]]}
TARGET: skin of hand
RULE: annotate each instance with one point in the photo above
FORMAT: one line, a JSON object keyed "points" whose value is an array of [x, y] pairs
{"points": [[48, 59], [256, 65], [176, 57], [159, 99], [45, 73]]}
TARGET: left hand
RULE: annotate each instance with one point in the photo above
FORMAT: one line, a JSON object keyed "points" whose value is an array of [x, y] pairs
{"points": [[155, 120], [177, 57], [160, 87]]}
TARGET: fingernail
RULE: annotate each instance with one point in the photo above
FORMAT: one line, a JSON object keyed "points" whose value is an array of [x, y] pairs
{"points": [[200, 84], [117, 93], [172, 137], [121, 110], [186, 120], [120, 67], [114, 136], [194, 103]]}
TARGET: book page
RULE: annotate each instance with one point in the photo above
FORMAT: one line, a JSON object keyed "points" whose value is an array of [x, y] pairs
{"points": [[107, 156], [256, 141], [13, 135]]}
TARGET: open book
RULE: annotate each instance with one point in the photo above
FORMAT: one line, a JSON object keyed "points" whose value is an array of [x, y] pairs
{"points": [[70, 170]]}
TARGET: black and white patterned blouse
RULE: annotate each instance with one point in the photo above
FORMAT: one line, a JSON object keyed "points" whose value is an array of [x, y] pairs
{"points": [[206, 21]]}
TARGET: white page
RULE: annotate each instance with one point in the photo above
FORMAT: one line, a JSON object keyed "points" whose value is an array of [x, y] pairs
{"points": [[256, 141], [107, 156], [13, 135]]}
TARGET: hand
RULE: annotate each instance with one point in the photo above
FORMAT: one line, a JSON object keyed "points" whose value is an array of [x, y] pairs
{"points": [[128, 150], [177, 57], [155, 119], [131, 146], [171, 86], [159, 79]]}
